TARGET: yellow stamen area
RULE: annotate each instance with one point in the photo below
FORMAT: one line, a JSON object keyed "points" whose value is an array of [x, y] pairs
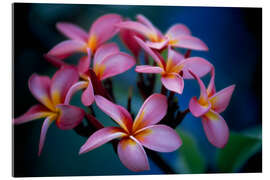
{"points": [[173, 42], [167, 75], [142, 134], [178, 68], [169, 65], [48, 103], [203, 102], [56, 97], [154, 37], [128, 142], [46, 114], [138, 122], [213, 100], [92, 42], [99, 70], [212, 116], [172, 68], [84, 77]]}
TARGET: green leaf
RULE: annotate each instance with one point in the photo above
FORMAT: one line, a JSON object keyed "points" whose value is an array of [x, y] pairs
{"points": [[240, 147], [191, 159]]}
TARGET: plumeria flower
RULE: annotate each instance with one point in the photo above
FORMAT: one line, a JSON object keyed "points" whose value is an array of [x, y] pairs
{"points": [[101, 30], [51, 94], [175, 69], [177, 36], [108, 62], [127, 37], [208, 107], [134, 135]]}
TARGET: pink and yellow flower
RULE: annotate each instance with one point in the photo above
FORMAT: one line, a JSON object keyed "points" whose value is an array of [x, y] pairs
{"points": [[177, 36], [51, 94], [134, 135], [80, 41], [209, 106], [175, 69], [108, 62], [127, 37]]}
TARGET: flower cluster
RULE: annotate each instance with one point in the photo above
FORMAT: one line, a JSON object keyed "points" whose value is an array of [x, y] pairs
{"points": [[153, 127]]}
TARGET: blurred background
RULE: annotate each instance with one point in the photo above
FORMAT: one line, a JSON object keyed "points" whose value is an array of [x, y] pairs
{"points": [[234, 38]]}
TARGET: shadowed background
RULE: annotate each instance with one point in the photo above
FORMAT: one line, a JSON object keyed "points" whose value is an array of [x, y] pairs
{"points": [[233, 36]]}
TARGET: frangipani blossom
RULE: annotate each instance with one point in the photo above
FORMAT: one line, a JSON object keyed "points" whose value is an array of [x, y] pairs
{"points": [[80, 41], [108, 62], [209, 106], [134, 135], [174, 66], [51, 94], [177, 36], [127, 37]]}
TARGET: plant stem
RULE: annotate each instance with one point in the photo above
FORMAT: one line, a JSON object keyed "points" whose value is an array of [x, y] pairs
{"points": [[163, 90]]}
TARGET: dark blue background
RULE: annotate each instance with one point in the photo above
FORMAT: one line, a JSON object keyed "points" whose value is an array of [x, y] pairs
{"points": [[233, 36]]}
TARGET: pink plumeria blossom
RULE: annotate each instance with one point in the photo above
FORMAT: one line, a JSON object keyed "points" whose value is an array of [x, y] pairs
{"points": [[108, 62], [209, 106], [144, 131], [51, 94], [101, 30], [177, 36], [170, 70], [127, 37]]}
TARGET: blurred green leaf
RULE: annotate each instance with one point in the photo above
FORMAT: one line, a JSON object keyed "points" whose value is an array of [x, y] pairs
{"points": [[240, 147], [191, 159]]}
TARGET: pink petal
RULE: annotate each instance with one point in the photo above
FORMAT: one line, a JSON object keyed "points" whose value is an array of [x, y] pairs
{"points": [[216, 129], [159, 138], [88, 96], [203, 95], [148, 69], [84, 64], [69, 117], [221, 99], [101, 137], [197, 65], [114, 64], [54, 60], [173, 61], [72, 31], [62, 80], [66, 48], [132, 155], [40, 88], [126, 113], [151, 112], [46, 124], [211, 89], [35, 112], [142, 19], [173, 82], [157, 45], [157, 57], [197, 109], [127, 36], [114, 112], [73, 89], [104, 27], [104, 51], [137, 27], [177, 30], [190, 42]]}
